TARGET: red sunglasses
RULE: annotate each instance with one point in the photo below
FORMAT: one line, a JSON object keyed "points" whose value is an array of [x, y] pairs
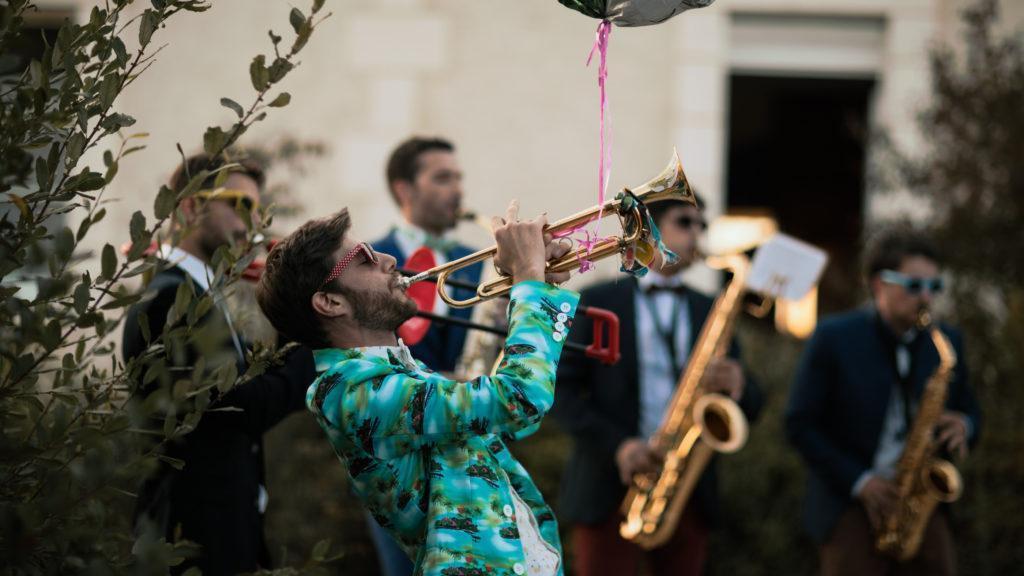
{"points": [[363, 247]]}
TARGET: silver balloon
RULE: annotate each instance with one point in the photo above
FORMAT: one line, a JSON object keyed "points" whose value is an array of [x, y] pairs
{"points": [[647, 12]]}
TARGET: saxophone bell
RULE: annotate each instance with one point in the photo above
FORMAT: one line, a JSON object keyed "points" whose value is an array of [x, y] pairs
{"points": [[942, 480], [725, 427]]}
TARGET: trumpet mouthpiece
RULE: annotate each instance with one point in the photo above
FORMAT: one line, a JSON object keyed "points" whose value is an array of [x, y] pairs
{"points": [[406, 281], [924, 318]]}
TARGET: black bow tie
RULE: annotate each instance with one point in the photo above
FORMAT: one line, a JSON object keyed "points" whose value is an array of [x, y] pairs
{"points": [[655, 288]]}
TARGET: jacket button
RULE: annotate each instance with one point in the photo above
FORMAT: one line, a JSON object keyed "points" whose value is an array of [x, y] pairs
{"points": [[507, 510], [557, 336], [562, 317], [518, 568], [565, 307]]}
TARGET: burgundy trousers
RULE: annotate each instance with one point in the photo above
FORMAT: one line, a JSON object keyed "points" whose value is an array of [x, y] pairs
{"points": [[598, 550], [851, 550]]}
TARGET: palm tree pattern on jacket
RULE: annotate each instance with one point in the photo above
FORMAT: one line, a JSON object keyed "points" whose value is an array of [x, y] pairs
{"points": [[427, 455]]}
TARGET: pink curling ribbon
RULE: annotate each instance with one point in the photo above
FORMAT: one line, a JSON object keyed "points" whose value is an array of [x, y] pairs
{"points": [[604, 33], [592, 238]]}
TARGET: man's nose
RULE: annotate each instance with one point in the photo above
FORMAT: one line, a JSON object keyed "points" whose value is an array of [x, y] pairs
{"points": [[388, 262]]}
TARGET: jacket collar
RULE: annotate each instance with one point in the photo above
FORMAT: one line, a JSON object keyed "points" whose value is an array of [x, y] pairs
{"points": [[410, 238]]}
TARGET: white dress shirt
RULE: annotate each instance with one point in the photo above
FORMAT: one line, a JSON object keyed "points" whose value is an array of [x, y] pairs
{"points": [[894, 428], [657, 376], [202, 275], [411, 238]]}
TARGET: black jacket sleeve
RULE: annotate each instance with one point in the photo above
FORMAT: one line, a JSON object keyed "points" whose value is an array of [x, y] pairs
{"points": [[806, 415], [573, 409], [261, 402]]}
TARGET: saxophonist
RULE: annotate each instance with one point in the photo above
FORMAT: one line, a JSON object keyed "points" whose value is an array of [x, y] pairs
{"points": [[611, 411], [852, 405]]}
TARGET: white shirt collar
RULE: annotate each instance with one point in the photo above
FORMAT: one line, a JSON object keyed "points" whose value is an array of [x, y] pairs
{"points": [[653, 278], [411, 237], [401, 351], [193, 266]]}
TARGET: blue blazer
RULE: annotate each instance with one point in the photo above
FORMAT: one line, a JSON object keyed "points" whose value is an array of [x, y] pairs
{"points": [[838, 402], [441, 347]]}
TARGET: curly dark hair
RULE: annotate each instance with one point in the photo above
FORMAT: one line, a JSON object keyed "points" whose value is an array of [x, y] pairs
{"points": [[887, 249], [295, 270], [198, 162]]}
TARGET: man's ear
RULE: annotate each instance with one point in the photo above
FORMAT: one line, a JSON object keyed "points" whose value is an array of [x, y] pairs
{"points": [[875, 286], [190, 206], [330, 305], [403, 192]]}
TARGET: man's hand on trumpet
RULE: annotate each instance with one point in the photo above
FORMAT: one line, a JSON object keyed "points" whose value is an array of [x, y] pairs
{"points": [[524, 248]]}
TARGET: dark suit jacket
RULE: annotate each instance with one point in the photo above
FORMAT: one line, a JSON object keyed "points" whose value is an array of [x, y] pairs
{"points": [[442, 345], [838, 402], [214, 498], [600, 407]]}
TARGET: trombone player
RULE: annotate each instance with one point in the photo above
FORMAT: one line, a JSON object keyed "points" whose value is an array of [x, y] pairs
{"points": [[854, 401], [612, 411]]}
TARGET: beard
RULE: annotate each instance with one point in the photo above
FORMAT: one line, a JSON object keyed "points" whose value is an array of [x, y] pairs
{"points": [[211, 238], [374, 310]]}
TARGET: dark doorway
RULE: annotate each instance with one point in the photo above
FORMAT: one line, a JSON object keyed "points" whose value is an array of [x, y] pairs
{"points": [[797, 151]]}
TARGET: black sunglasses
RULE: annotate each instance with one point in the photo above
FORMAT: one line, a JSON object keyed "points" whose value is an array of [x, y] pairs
{"points": [[686, 221]]}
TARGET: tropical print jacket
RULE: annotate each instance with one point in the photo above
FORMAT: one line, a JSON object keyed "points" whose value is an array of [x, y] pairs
{"points": [[427, 454]]}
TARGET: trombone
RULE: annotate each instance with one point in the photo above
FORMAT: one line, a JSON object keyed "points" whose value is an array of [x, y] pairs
{"points": [[671, 184]]}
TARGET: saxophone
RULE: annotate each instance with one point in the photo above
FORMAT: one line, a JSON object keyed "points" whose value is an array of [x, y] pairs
{"points": [[696, 425], [922, 479]]}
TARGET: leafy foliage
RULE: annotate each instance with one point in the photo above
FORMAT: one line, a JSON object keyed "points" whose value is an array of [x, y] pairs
{"points": [[75, 442]]}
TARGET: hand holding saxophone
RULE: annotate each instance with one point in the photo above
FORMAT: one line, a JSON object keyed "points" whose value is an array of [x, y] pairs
{"points": [[636, 456], [951, 433], [879, 497], [725, 376]]}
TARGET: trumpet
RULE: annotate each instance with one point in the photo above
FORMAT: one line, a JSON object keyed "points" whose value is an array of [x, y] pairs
{"points": [[604, 346], [671, 184]]}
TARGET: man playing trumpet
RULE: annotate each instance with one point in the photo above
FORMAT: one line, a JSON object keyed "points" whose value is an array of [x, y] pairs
{"points": [[426, 454]]}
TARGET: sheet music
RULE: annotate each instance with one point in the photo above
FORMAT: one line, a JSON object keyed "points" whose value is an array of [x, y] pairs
{"points": [[785, 267]]}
